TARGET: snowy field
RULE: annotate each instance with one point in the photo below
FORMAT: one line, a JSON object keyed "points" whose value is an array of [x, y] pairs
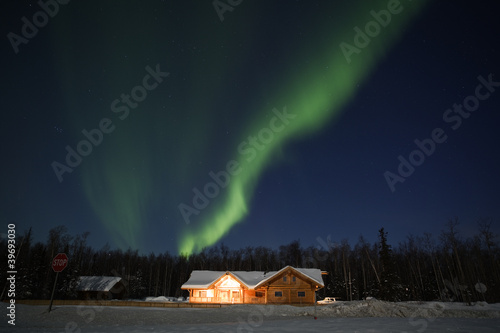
{"points": [[358, 316]]}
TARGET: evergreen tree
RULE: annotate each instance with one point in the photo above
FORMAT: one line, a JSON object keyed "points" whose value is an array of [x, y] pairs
{"points": [[390, 286]]}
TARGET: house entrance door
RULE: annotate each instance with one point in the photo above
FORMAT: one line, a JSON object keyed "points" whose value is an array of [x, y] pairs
{"points": [[235, 296], [224, 294]]}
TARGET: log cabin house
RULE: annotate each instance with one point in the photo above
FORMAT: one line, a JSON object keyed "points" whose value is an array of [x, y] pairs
{"points": [[289, 285]]}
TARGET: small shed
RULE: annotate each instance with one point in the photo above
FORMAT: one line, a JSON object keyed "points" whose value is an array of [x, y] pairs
{"points": [[101, 287]]}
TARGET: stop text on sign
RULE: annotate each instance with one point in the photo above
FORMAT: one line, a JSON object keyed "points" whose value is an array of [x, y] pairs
{"points": [[60, 262]]}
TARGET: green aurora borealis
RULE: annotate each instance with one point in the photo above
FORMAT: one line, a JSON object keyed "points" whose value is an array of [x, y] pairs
{"points": [[315, 94], [149, 163]]}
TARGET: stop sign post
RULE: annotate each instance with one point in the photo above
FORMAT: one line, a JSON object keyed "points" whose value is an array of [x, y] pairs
{"points": [[59, 263]]}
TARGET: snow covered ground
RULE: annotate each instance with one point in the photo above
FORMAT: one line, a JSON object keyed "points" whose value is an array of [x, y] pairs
{"points": [[357, 316]]}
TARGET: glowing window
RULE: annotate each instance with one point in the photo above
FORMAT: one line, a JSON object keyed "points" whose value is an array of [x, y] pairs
{"points": [[206, 293]]}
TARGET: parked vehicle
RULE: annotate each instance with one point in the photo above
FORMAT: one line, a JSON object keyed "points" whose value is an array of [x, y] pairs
{"points": [[328, 300]]}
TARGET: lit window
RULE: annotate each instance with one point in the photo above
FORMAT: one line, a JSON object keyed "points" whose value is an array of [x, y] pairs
{"points": [[278, 294], [301, 294]]}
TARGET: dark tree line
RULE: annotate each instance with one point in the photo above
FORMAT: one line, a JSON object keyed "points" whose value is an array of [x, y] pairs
{"points": [[422, 268]]}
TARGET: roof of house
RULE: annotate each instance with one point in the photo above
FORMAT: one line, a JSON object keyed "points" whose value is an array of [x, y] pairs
{"points": [[202, 279], [97, 283], [252, 280]]}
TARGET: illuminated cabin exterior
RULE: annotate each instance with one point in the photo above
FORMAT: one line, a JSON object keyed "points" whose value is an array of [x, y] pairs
{"points": [[287, 286]]}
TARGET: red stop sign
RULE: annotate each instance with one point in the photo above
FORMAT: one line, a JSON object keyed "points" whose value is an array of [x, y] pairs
{"points": [[59, 262]]}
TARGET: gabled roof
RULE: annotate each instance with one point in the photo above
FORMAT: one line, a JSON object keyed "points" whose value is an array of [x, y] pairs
{"points": [[97, 283], [202, 279], [312, 274], [251, 280]]}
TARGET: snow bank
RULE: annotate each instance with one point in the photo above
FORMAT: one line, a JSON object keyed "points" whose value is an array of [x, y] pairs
{"points": [[163, 299], [361, 316], [160, 299], [376, 308]]}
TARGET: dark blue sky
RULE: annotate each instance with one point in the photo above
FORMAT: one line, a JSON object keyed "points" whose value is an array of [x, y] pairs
{"points": [[223, 77]]}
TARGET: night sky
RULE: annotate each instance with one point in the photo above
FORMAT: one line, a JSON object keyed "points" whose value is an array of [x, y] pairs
{"points": [[301, 114]]}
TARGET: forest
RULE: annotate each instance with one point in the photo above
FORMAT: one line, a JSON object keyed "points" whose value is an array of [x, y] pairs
{"points": [[445, 267]]}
